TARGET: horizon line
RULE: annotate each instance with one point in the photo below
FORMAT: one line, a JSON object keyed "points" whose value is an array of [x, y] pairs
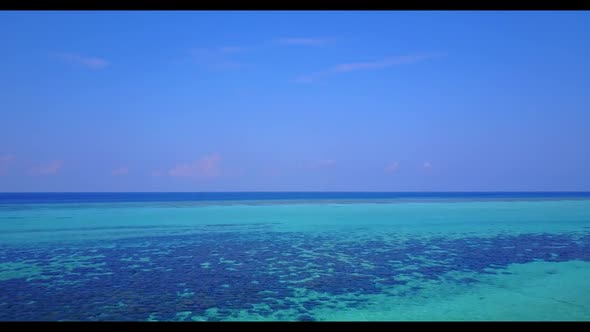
{"points": [[316, 191]]}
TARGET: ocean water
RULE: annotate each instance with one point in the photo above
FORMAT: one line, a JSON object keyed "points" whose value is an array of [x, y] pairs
{"points": [[295, 256]]}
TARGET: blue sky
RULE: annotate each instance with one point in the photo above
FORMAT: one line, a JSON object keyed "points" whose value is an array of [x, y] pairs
{"points": [[295, 101]]}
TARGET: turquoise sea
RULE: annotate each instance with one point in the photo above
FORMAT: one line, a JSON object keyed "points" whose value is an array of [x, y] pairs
{"points": [[294, 256]]}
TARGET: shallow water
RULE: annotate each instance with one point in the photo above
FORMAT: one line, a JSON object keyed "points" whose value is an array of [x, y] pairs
{"points": [[296, 258]]}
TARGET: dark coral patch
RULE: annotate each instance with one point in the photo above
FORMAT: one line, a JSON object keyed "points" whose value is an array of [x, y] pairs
{"points": [[132, 279]]}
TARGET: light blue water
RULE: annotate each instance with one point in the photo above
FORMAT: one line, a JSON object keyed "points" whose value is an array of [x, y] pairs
{"points": [[295, 256]]}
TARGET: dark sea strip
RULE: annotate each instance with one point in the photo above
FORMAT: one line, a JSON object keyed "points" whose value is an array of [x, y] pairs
{"points": [[69, 198]]}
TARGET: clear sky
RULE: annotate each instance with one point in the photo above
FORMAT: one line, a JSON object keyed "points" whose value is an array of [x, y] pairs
{"points": [[294, 101]]}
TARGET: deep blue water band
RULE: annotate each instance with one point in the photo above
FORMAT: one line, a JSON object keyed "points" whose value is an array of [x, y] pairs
{"points": [[104, 197]]}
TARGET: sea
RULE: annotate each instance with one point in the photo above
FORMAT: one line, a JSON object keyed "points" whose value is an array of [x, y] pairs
{"points": [[295, 256]]}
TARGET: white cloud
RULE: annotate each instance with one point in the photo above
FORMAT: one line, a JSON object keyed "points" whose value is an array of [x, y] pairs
{"points": [[86, 61], [391, 167], [207, 167]]}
